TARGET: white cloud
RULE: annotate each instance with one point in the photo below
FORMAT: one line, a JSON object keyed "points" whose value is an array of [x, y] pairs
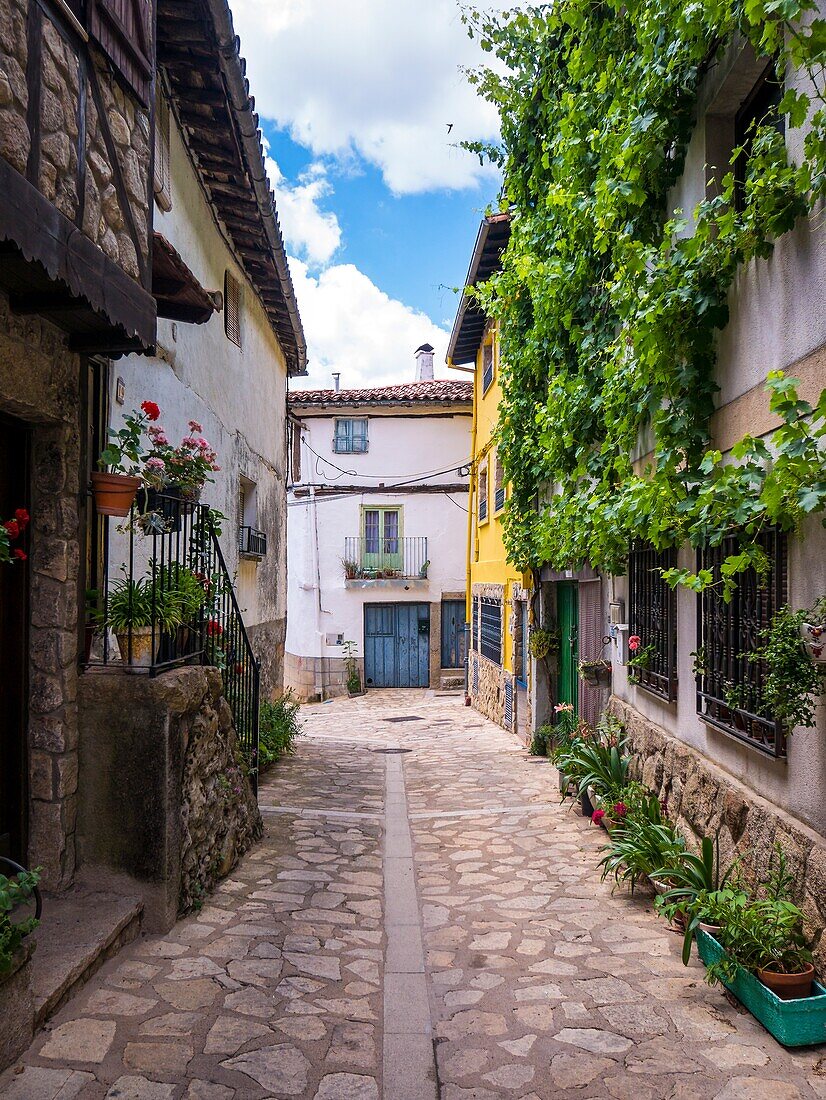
{"points": [[377, 79], [313, 233], [354, 327]]}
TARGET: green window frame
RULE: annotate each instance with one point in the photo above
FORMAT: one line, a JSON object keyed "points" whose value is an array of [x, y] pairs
{"points": [[382, 538]]}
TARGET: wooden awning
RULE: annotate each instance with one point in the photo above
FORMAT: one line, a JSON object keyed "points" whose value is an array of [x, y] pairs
{"points": [[178, 294]]}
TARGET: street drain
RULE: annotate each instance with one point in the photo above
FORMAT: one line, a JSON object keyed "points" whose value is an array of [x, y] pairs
{"points": [[391, 752], [405, 718]]}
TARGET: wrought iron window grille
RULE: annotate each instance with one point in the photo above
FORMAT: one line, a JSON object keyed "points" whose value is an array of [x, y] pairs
{"points": [[653, 618], [729, 685], [252, 543], [378, 557], [490, 633]]}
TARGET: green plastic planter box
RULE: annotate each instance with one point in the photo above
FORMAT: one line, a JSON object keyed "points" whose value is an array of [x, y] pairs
{"points": [[793, 1023]]}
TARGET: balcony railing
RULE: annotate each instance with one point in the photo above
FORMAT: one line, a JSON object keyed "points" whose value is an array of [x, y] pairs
{"points": [[168, 600], [375, 559], [252, 543]]}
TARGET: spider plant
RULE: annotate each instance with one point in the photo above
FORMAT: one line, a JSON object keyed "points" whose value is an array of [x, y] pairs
{"points": [[693, 879], [642, 845]]}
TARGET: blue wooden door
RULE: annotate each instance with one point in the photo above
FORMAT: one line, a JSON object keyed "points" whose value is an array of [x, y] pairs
{"points": [[397, 644], [453, 633]]}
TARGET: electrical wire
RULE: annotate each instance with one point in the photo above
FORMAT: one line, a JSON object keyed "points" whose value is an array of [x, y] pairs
{"points": [[372, 477]]}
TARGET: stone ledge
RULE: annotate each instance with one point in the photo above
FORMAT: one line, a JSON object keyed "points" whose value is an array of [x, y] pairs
{"points": [[79, 931]]}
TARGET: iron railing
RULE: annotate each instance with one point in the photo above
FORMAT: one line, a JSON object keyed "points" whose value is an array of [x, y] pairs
{"points": [[168, 600], [251, 542], [379, 558]]}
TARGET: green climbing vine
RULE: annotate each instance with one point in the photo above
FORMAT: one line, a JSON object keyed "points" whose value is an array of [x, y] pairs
{"points": [[609, 304]]}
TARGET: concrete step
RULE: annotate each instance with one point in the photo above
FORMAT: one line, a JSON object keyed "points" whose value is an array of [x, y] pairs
{"points": [[78, 932]]}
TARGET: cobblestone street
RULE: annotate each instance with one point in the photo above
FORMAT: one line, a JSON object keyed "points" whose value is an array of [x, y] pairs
{"points": [[417, 924]]}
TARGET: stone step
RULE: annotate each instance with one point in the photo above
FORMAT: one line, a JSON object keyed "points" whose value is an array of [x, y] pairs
{"points": [[78, 932]]}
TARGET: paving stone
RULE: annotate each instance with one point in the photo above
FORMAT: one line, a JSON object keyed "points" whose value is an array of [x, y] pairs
{"points": [[132, 1087], [281, 1070], [229, 1033], [594, 1040], [208, 1090], [37, 1083], [347, 1086], [110, 1002], [80, 1040], [168, 1059], [171, 1023]]}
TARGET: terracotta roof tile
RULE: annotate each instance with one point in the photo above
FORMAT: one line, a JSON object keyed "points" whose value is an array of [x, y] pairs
{"points": [[436, 392]]}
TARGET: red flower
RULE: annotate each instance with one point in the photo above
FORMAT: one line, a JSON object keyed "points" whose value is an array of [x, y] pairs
{"points": [[597, 816], [12, 528], [634, 642], [620, 810], [20, 554], [151, 409], [214, 627], [239, 670], [22, 517]]}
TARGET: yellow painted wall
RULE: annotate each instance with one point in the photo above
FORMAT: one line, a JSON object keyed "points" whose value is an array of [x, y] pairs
{"points": [[487, 561]]}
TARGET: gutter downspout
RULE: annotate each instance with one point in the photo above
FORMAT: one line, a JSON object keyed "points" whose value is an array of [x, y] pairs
{"points": [[233, 67], [471, 524]]}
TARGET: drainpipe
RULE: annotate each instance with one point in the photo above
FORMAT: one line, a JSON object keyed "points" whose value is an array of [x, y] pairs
{"points": [[471, 526]]}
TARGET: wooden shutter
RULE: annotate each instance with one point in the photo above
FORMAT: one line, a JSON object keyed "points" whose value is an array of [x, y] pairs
{"points": [[163, 172], [232, 309], [125, 31]]}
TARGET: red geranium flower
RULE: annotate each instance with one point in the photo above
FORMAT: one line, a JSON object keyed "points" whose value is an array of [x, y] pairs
{"points": [[597, 816], [239, 670], [634, 642], [151, 409], [20, 554], [620, 810], [12, 528], [214, 627], [22, 517]]}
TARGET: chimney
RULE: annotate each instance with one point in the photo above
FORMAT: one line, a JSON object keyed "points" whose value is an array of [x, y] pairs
{"points": [[336, 379], [424, 363]]}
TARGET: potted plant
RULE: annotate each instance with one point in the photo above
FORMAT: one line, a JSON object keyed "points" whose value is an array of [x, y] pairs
{"points": [[10, 531], [91, 621], [646, 842], [137, 612], [185, 468], [186, 591], [541, 642], [16, 891], [595, 670], [115, 488], [692, 880], [351, 666]]}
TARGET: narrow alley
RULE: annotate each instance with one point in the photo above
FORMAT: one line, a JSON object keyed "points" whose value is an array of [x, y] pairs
{"points": [[324, 969]]}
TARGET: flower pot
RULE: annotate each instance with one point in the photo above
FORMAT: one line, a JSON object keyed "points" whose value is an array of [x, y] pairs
{"points": [[114, 493], [165, 504], [789, 987], [586, 804], [142, 648], [709, 929], [89, 631]]}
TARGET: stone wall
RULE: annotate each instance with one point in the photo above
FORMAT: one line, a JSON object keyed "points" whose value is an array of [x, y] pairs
{"points": [[486, 685], [63, 141], [267, 641], [305, 676], [39, 387], [163, 799], [703, 799]]}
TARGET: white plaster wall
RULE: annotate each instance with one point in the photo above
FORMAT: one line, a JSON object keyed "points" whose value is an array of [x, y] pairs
{"points": [[399, 448], [238, 395]]}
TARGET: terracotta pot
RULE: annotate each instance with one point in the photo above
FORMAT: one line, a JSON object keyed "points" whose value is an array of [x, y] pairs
{"points": [[789, 987], [141, 647], [114, 493], [711, 929]]}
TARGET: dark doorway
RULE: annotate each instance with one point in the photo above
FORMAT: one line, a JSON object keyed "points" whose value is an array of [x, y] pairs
{"points": [[15, 450]]}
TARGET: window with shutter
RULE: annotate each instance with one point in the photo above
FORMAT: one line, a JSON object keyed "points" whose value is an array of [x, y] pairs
{"points": [[350, 436], [487, 366], [499, 486], [483, 493], [125, 31], [232, 309], [163, 177]]}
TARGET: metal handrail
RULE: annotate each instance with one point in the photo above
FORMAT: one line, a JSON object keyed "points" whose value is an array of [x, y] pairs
{"points": [[385, 558]]}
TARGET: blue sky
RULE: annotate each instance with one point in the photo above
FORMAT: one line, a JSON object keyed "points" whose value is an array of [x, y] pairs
{"points": [[378, 205]]}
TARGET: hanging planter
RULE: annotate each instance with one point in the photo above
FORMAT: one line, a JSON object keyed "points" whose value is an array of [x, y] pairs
{"points": [[595, 672], [114, 493]]}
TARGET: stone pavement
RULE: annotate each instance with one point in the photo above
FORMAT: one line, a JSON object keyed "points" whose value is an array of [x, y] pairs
{"points": [[412, 926]]}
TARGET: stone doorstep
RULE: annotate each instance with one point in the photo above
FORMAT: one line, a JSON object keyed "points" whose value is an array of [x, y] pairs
{"points": [[78, 932]]}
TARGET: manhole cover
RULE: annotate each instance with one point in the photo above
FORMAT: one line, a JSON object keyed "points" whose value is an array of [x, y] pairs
{"points": [[405, 718], [391, 752]]}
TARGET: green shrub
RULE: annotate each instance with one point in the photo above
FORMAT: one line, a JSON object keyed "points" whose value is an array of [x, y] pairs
{"points": [[14, 891], [278, 729]]}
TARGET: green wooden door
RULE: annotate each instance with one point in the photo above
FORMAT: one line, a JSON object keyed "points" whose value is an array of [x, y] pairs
{"points": [[567, 605]]}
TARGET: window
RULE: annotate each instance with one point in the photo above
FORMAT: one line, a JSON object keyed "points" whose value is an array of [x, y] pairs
{"points": [[474, 624], [381, 543], [487, 366], [483, 492], [350, 437], [162, 180], [521, 652], [653, 618], [232, 309], [498, 486], [729, 685], [759, 108], [252, 543], [490, 640]]}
